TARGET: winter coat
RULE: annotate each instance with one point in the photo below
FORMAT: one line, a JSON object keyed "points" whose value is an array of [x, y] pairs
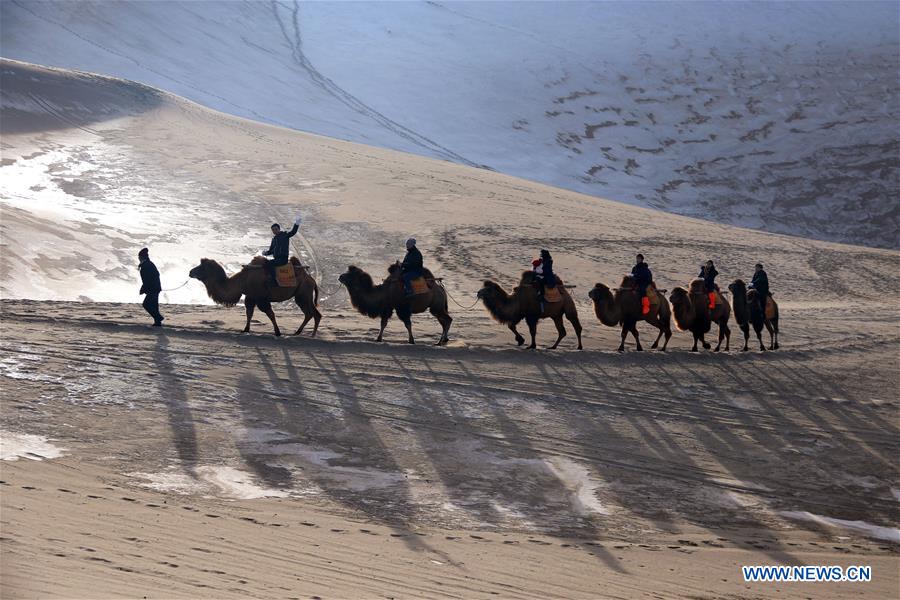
{"points": [[149, 278]]}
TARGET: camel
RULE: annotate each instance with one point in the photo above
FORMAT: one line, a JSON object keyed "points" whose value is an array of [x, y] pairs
{"points": [[252, 282], [523, 304], [383, 299], [747, 311], [624, 308], [691, 311]]}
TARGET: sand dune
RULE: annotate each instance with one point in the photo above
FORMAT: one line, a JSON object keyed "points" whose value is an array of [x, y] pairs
{"points": [[196, 461]]}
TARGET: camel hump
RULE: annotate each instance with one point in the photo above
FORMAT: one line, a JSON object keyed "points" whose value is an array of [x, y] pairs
{"points": [[627, 282], [698, 286]]}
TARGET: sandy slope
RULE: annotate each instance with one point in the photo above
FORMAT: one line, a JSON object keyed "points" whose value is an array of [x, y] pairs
{"points": [[476, 470]]}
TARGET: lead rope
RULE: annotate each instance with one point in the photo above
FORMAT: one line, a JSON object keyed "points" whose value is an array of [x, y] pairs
{"points": [[440, 283], [176, 288]]}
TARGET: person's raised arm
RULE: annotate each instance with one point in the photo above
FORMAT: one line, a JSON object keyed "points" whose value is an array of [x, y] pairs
{"points": [[296, 226]]}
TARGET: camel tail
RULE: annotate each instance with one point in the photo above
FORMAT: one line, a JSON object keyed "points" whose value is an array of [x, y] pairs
{"points": [[315, 294]]}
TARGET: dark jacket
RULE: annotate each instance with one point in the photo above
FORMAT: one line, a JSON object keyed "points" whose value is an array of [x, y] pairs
{"points": [[709, 278], [760, 283], [547, 267], [280, 246], [149, 278], [412, 262], [642, 275]]}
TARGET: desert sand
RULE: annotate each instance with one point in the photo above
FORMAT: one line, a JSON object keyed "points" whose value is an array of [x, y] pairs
{"points": [[196, 461]]}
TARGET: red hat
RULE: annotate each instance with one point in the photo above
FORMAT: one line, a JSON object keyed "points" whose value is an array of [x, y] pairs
{"points": [[535, 262]]}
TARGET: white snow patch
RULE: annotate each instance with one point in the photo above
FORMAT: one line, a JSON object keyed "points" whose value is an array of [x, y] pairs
{"points": [[577, 478], [14, 446], [889, 534], [221, 481]]}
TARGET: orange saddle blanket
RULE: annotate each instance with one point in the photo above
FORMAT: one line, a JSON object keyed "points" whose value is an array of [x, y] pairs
{"points": [[285, 276], [419, 286]]}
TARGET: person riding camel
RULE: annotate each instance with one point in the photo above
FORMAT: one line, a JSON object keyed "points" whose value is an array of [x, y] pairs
{"points": [[708, 274], [411, 267], [279, 248], [760, 283], [642, 279], [543, 270]]}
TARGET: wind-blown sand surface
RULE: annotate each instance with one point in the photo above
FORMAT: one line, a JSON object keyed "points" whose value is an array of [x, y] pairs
{"points": [[196, 461]]}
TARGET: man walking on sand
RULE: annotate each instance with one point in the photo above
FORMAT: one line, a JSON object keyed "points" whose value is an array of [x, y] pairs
{"points": [[150, 286]]}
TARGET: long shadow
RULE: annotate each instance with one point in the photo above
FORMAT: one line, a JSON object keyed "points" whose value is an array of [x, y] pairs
{"points": [[539, 495], [786, 467], [661, 444], [341, 443], [174, 395]]}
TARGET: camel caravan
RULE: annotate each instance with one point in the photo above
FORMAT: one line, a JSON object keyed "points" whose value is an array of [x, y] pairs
{"points": [[409, 288]]}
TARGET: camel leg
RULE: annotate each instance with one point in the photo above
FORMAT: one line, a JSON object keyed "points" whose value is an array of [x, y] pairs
{"points": [[771, 335], [532, 329], [309, 312], [621, 347], [384, 322], [445, 320], [572, 316], [249, 305], [666, 342], [706, 345], [560, 330], [306, 319], [724, 334], [775, 336], [631, 326], [317, 316], [519, 339], [658, 337], [407, 321], [266, 307], [696, 338], [762, 347], [746, 329]]}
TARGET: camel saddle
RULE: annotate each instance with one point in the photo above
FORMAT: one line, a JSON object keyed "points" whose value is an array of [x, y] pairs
{"points": [[552, 294], [652, 295], [419, 285], [719, 299], [285, 276], [770, 307]]}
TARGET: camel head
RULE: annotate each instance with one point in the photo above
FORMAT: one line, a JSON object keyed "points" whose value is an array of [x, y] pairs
{"points": [[208, 270], [679, 296], [698, 286], [356, 277], [737, 287], [488, 290], [600, 292]]}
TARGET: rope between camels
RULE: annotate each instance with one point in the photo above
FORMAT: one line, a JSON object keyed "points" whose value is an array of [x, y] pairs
{"points": [[176, 288], [440, 283]]}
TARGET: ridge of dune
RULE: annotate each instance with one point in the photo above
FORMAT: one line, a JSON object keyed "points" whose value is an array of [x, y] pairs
{"points": [[775, 116]]}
